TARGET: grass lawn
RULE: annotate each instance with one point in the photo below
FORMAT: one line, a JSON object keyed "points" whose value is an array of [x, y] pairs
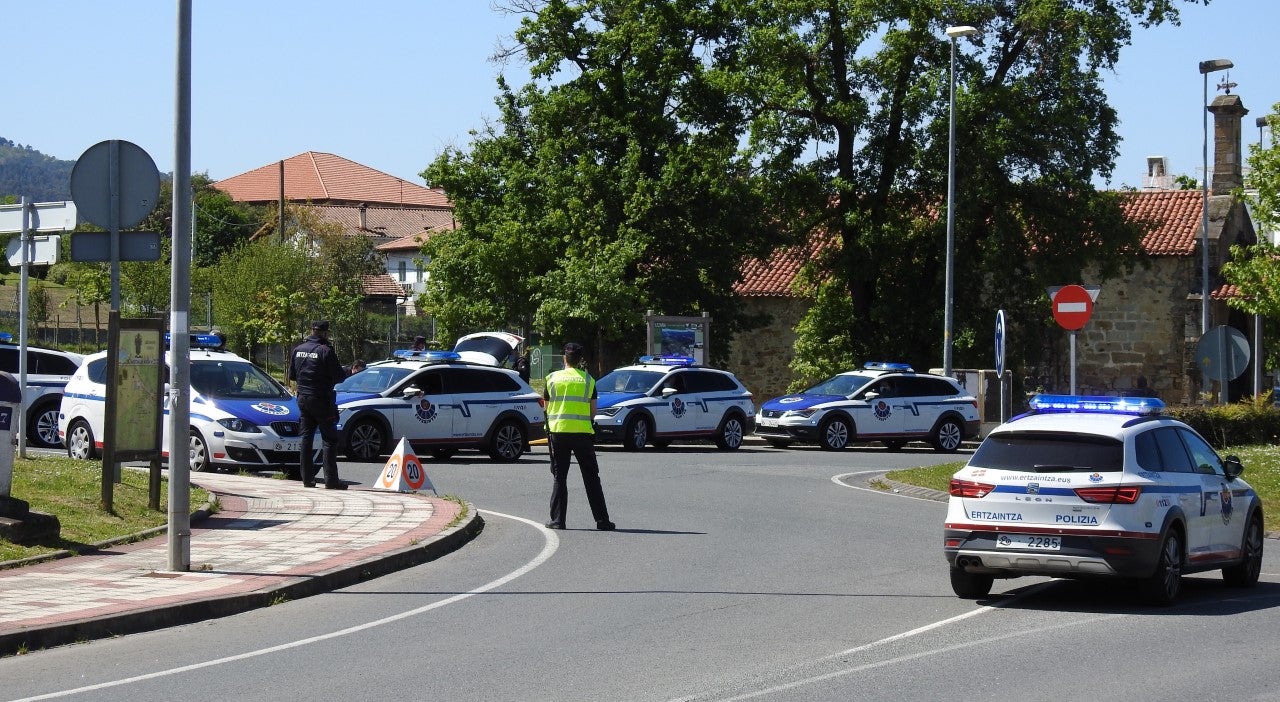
{"points": [[72, 490], [1261, 470]]}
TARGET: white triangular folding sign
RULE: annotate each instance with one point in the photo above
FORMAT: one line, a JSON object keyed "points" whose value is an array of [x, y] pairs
{"points": [[403, 472]]}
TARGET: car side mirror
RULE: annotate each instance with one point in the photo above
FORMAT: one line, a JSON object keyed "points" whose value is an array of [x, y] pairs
{"points": [[412, 392], [1232, 467], [668, 392], [870, 395]]}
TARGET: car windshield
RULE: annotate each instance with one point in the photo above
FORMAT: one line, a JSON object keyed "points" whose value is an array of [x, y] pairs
{"points": [[623, 380], [235, 379], [1049, 452], [844, 384], [491, 345], [374, 379]]}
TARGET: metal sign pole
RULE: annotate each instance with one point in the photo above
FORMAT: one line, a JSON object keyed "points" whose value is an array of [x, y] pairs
{"points": [[21, 420], [1073, 363]]}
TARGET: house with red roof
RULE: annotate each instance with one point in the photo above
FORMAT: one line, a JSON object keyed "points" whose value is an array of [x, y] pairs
{"points": [[1145, 325]]}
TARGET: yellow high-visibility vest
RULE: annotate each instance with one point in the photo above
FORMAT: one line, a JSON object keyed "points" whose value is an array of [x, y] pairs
{"points": [[569, 406]]}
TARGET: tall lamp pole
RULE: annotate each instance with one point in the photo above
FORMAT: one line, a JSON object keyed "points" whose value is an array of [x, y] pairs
{"points": [[1206, 67], [949, 304], [1257, 318]]}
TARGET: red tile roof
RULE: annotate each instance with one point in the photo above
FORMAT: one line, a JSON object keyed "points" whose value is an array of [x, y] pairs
{"points": [[1225, 292], [1173, 215], [381, 285], [389, 222], [319, 177]]}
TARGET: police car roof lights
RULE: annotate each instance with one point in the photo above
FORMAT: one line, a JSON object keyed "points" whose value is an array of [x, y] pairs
{"points": [[1102, 404], [429, 355], [668, 360], [200, 341], [886, 366]]}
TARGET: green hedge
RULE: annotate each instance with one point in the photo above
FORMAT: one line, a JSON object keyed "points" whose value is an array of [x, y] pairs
{"points": [[1244, 423]]}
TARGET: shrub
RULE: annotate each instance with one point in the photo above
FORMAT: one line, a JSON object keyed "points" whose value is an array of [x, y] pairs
{"points": [[1249, 421]]}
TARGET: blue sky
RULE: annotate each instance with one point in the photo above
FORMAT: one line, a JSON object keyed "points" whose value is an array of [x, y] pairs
{"points": [[390, 83]]}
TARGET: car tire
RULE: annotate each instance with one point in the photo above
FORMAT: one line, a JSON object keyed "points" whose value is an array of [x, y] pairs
{"points": [[968, 585], [443, 453], [1246, 572], [635, 433], [1162, 586], [834, 434], [507, 443], [729, 434], [80, 444], [778, 443], [365, 440], [42, 425], [895, 444], [198, 453], [948, 436]]}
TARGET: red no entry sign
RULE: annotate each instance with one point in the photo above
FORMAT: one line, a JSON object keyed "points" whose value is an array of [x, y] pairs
{"points": [[1072, 307]]}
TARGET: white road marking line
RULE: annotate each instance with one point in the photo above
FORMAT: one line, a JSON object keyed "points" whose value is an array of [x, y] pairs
{"points": [[837, 480], [548, 550]]}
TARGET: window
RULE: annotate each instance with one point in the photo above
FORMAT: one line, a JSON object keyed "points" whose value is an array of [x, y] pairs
{"points": [[1146, 452], [1049, 452], [98, 371], [1173, 455], [404, 265], [419, 270], [709, 381], [50, 363], [1203, 456]]}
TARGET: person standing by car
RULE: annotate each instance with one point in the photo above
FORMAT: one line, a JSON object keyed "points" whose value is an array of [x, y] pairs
{"points": [[571, 403], [314, 367]]}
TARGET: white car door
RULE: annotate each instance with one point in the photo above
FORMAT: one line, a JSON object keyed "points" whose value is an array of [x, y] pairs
{"points": [[423, 417], [1185, 485], [888, 410], [1224, 520]]}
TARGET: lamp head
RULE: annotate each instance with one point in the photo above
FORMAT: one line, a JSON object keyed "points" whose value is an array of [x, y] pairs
{"points": [[1215, 65], [961, 31]]}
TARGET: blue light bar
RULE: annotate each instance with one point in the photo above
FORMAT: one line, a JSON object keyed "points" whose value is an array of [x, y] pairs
{"points": [[1140, 406], [669, 360], [886, 366], [430, 355], [200, 341], [6, 337]]}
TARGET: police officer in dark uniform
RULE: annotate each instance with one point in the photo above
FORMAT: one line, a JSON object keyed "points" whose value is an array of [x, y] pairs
{"points": [[315, 368]]}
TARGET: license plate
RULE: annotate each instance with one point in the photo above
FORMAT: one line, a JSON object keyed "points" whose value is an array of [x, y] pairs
{"points": [[288, 446], [1030, 542], [767, 422]]}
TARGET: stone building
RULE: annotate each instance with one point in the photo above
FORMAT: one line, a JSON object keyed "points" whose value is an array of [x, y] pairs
{"points": [[1144, 325]]}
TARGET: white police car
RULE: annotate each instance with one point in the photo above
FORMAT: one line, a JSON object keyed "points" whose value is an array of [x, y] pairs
{"points": [[440, 403], [240, 415], [48, 371], [1100, 486], [666, 398], [886, 402]]}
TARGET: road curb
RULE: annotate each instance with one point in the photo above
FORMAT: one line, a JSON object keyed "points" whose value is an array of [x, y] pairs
{"points": [[291, 588]]}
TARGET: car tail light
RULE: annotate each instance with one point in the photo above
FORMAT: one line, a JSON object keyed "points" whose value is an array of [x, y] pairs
{"points": [[1115, 495], [968, 488], [542, 402]]}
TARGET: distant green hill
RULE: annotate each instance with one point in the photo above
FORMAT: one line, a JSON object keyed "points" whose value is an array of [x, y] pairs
{"points": [[25, 172]]}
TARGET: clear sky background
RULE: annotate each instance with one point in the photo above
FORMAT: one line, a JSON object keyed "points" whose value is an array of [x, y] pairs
{"points": [[391, 83]]}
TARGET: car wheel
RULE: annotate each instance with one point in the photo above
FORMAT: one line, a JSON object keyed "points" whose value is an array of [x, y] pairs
{"points": [[834, 434], [778, 443], [364, 440], [443, 453], [508, 442], [80, 444], [42, 426], [1246, 572], [729, 435], [198, 453], [635, 434], [970, 585], [895, 444], [947, 436], [1163, 586]]}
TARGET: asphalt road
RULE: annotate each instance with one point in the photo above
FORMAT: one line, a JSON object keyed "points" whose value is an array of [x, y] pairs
{"points": [[755, 574]]}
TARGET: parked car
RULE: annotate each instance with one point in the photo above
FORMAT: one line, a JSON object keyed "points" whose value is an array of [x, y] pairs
{"points": [[240, 415], [1085, 487], [665, 398], [441, 404], [885, 402], [48, 371]]}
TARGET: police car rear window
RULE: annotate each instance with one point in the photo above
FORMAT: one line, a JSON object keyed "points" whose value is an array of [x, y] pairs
{"points": [[1049, 452]]}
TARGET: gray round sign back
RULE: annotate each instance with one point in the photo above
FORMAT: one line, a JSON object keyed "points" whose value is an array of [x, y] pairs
{"points": [[137, 184], [1223, 353]]}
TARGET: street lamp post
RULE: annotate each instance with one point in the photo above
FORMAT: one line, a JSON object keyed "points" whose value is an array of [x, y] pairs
{"points": [[1206, 67], [1257, 318], [949, 311]]}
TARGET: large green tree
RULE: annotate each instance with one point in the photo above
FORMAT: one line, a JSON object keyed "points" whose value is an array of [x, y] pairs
{"points": [[612, 185]]}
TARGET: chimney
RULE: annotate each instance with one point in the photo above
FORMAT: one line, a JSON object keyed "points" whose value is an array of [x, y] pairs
{"points": [[1157, 177], [1228, 159], [364, 222]]}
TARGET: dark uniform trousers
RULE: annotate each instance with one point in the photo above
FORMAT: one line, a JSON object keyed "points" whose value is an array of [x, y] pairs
{"points": [[582, 447], [319, 412]]}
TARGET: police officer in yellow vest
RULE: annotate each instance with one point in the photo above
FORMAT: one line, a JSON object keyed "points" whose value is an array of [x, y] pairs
{"points": [[571, 403]]}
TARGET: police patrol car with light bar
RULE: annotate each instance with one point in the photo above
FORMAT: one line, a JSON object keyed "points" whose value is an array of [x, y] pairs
{"points": [[1100, 487], [666, 398], [440, 403], [885, 402], [240, 415]]}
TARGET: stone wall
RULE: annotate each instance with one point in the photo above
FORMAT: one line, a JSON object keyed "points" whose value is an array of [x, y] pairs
{"points": [[761, 358]]}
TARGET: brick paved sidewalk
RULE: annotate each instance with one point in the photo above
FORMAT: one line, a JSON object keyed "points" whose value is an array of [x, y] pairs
{"points": [[271, 539]]}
